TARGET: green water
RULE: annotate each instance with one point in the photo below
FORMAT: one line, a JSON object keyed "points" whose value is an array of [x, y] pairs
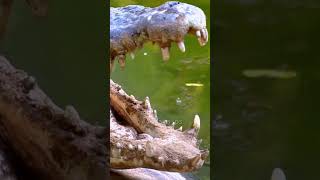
{"points": [[264, 122], [65, 52], [165, 83]]}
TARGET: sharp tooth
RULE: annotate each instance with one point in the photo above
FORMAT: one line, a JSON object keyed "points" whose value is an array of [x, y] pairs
{"points": [[198, 33], [130, 147], [147, 103], [155, 114], [132, 55], [196, 160], [200, 40], [118, 145], [204, 35], [196, 122], [165, 122], [139, 147], [161, 160], [181, 46], [173, 124], [132, 96], [122, 61], [180, 128], [165, 53]]}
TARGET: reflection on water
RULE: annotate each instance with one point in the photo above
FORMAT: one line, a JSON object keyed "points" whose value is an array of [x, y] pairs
{"points": [[266, 93], [178, 89], [255, 73]]}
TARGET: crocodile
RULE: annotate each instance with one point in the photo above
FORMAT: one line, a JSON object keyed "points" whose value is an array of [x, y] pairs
{"points": [[138, 138]]}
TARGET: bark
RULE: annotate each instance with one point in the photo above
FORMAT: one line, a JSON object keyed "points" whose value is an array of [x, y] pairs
{"points": [[49, 141]]}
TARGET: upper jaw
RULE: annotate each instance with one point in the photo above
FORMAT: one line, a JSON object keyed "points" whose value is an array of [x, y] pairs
{"points": [[132, 26]]}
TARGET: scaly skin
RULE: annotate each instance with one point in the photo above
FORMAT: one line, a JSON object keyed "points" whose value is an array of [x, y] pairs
{"points": [[146, 142], [137, 138], [132, 26]]}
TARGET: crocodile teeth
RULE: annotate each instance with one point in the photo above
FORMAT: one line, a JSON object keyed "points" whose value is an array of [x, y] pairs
{"points": [[195, 161], [165, 53], [180, 128], [202, 36], [173, 124], [122, 61], [147, 103], [118, 145], [140, 147], [196, 122], [198, 34], [181, 46], [161, 160], [200, 41], [155, 114], [130, 147], [165, 122], [206, 34]]}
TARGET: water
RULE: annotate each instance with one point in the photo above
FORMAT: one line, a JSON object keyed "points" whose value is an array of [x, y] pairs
{"points": [[64, 52], [168, 84], [262, 122]]}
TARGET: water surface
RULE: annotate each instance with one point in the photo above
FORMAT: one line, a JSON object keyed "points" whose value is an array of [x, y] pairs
{"points": [[266, 89], [65, 52]]}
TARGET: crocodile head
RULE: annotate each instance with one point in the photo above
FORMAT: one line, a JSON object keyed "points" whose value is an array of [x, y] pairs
{"points": [[147, 142], [132, 26]]}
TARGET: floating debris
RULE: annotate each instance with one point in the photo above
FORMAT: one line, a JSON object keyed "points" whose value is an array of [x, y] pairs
{"points": [[194, 84], [269, 73]]}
